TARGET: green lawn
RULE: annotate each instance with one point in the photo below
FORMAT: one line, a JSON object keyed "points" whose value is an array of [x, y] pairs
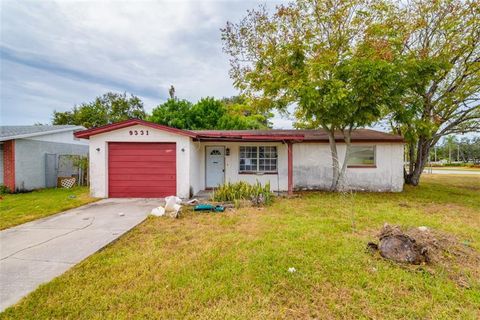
{"points": [[234, 265], [19, 208]]}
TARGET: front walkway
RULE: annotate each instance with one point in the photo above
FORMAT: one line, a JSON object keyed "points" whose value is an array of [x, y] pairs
{"points": [[38, 251]]}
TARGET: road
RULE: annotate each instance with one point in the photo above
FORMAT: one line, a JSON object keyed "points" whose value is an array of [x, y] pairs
{"points": [[443, 171]]}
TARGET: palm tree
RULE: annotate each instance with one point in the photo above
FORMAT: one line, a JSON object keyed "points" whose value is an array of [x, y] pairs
{"points": [[450, 141]]}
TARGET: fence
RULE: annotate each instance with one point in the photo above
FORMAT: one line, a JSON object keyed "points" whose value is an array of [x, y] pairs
{"points": [[65, 165]]}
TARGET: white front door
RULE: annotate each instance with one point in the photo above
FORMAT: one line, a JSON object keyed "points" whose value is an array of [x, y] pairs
{"points": [[215, 158]]}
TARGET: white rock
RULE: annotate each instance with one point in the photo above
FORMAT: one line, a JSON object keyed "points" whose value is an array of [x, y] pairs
{"points": [[292, 270], [121, 214], [423, 228]]}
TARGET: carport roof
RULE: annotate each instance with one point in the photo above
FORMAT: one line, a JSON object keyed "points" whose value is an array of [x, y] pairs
{"points": [[359, 135]]}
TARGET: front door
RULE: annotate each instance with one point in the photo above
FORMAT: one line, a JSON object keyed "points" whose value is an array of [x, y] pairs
{"points": [[215, 159]]}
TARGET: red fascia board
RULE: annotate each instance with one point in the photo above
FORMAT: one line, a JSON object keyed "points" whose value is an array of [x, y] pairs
{"points": [[128, 123], [357, 140], [249, 138]]}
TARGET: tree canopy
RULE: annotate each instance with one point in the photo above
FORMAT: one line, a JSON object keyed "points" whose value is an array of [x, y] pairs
{"points": [[209, 113], [441, 55], [328, 59], [108, 108], [346, 64]]}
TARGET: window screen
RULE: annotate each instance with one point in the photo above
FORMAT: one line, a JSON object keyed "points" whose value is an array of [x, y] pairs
{"points": [[362, 156], [258, 159]]}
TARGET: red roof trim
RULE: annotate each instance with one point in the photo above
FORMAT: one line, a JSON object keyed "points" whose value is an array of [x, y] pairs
{"points": [[356, 140], [249, 137], [128, 123]]}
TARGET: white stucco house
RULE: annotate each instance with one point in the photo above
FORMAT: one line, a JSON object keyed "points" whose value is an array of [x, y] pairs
{"points": [[136, 158]]}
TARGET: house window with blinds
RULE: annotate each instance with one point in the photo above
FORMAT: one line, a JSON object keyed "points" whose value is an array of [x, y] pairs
{"points": [[261, 159]]}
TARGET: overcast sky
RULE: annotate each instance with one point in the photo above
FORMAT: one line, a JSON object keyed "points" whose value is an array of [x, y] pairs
{"points": [[58, 54]]}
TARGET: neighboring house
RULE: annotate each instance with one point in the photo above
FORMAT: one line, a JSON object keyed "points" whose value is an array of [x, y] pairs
{"points": [[29, 154], [135, 158]]}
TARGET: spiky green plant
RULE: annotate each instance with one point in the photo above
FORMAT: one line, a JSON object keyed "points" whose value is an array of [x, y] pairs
{"points": [[233, 192]]}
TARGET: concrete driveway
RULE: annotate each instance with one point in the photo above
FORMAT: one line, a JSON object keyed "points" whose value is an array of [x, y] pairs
{"points": [[38, 251]]}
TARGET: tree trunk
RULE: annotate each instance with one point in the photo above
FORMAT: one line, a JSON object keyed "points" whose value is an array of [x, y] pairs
{"points": [[411, 156], [342, 185], [338, 177], [335, 164], [423, 150]]}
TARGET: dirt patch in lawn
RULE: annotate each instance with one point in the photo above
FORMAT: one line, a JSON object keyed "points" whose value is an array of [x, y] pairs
{"points": [[431, 250]]}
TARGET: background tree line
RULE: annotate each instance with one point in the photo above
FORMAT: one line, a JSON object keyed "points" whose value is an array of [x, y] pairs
{"points": [[207, 113], [457, 151]]}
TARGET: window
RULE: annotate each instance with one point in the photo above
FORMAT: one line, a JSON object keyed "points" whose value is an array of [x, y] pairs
{"points": [[361, 156], [215, 152], [258, 159]]}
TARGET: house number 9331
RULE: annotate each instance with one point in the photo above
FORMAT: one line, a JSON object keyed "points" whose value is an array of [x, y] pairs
{"points": [[138, 132]]}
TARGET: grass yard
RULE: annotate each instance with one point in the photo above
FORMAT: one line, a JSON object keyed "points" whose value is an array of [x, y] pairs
{"points": [[19, 208], [234, 265]]}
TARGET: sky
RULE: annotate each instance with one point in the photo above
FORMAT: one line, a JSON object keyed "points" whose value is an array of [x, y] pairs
{"points": [[57, 54]]}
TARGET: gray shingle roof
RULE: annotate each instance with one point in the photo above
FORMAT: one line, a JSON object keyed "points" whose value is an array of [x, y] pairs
{"points": [[12, 132]]}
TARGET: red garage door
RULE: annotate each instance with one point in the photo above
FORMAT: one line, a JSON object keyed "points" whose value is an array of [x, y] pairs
{"points": [[141, 170]]}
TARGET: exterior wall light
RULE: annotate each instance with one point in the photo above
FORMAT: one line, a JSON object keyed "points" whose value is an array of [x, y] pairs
{"points": [[227, 151], [98, 149]]}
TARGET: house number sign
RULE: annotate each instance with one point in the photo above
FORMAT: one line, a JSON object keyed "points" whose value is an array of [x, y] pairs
{"points": [[138, 132]]}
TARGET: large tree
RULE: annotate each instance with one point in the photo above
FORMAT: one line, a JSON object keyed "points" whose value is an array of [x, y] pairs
{"points": [[209, 113], [331, 60], [108, 108], [441, 53]]}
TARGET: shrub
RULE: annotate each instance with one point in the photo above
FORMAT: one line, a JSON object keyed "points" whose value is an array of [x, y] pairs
{"points": [[4, 189], [233, 192]]}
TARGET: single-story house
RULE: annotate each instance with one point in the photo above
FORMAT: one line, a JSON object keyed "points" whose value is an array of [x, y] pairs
{"points": [[29, 154], [136, 158]]}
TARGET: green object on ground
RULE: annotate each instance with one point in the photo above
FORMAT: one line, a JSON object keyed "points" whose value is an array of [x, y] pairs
{"points": [[209, 207], [204, 207]]}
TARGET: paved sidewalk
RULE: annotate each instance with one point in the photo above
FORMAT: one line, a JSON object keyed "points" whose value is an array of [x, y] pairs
{"points": [[38, 251]]}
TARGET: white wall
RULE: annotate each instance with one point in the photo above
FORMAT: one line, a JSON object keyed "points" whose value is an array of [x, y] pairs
{"points": [[99, 159], [311, 163], [197, 181], [312, 167], [277, 181], [62, 137]]}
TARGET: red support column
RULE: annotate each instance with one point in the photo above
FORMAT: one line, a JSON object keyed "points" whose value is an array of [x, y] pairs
{"points": [[290, 167], [9, 164]]}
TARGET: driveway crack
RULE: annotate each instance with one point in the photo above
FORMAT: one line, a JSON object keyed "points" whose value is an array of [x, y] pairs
{"points": [[53, 238], [44, 260]]}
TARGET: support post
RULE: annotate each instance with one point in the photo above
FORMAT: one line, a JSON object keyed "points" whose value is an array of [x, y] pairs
{"points": [[290, 167], [9, 164]]}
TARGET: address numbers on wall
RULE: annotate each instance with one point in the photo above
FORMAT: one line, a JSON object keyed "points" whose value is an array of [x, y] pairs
{"points": [[138, 132]]}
